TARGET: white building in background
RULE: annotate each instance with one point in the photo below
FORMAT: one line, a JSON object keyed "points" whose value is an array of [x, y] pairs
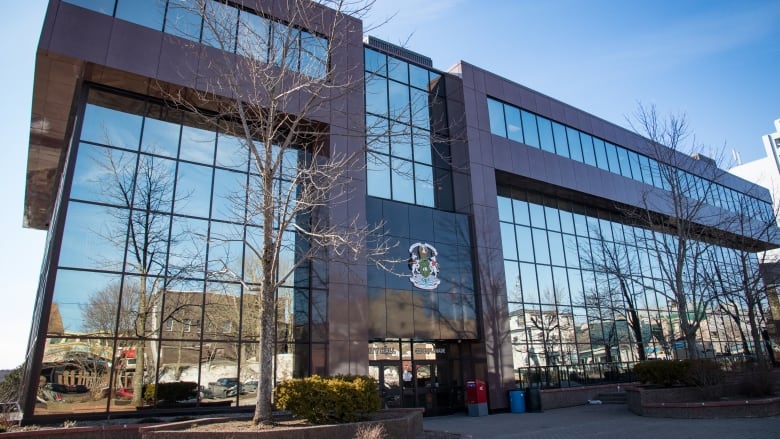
{"points": [[766, 172]]}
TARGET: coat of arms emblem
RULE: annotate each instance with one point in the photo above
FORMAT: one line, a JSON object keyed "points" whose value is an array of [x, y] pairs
{"points": [[425, 268]]}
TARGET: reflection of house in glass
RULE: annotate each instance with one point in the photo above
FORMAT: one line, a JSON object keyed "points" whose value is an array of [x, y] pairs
{"points": [[151, 274]]}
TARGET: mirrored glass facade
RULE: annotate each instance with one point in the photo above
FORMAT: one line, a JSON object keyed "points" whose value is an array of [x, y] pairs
{"points": [[496, 203], [567, 307], [409, 155], [154, 216], [540, 132]]}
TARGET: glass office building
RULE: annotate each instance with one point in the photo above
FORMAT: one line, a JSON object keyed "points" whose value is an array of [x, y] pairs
{"points": [[497, 200]]}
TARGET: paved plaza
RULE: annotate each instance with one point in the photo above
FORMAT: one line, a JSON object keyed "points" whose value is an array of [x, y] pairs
{"points": [[600, 421]]}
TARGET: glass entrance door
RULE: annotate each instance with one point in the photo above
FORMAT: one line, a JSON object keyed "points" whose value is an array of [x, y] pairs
{"points": [[388, 378]]}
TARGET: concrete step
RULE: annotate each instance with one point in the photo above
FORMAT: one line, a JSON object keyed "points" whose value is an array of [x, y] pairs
{"points": [[612, 397]]}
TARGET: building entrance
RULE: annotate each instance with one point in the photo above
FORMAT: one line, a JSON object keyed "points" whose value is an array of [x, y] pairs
{"points": [[422, 376]]}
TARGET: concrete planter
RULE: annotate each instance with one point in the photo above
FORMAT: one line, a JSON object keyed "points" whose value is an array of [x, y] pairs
{"points": [[407, 424], [658, 403]]}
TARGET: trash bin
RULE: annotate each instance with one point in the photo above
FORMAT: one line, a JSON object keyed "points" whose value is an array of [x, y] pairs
{"points": [[533, 399], [516, 401]]}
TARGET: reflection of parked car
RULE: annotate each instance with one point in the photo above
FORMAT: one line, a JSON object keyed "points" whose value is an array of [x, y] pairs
{"points": [[249, 386], [124, 393], [223, 387]]}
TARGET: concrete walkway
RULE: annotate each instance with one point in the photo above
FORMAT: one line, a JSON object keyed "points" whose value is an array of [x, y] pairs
{"points": [[612, 421]]}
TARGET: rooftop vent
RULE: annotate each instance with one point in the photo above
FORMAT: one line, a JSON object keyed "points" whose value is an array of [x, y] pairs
{"points": [[398, 51], [704, 158]]}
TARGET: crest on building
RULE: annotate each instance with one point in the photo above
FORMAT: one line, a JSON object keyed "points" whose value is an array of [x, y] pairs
{"points": [[424, 266]]}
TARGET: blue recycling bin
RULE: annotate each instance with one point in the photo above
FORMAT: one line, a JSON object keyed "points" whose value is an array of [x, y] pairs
{"points": [[517, 401]]}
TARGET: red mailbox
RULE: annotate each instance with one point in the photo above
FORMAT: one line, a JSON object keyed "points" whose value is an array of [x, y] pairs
{"points": [[476, 392]]}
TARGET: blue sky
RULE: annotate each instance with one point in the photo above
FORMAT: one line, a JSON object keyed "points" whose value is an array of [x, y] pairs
{"points": [[716, 61]]}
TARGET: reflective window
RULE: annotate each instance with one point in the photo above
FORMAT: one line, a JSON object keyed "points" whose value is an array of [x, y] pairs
{"points": [[132, 267], [404, 164], [496, 113], [221, 31], [546, 135], [530, 133], [254, 36], [102, 6], [148, 13], [184, 19]]}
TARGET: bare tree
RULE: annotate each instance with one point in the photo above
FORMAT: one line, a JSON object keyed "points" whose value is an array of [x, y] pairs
{"points": [[617, 292], [739, 282], [677, 220], [270, 93]]}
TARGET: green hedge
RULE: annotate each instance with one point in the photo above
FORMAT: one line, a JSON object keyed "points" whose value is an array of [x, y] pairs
{"points": [[322, 400], [684, 372]]}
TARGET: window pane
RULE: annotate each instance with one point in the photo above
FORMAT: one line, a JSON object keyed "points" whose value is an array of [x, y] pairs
{"points": [[219, 29], [398, 70], [231, 153], [625, 166], [529, 129], [98, 170], [285, 46], [601, 154], [85, 303], [418, 77], [525, 247], [148, 13], [376, 62], [508, 241], [496, 116], [183, 19], [514, 126], [102, 6], [229, 195], [520, 209], [377, 132], [541, 254], [546, 134], [588, 155], [94, 237], [422, 146], [253, 36], [401, 143], [423, 184], [376, 95], [402, 180], [314, 55], [399, 102], [378, 175], [420, 108], [111, 127], [193, 190], [505, 209], [575, 150], [197, 145], [561, 144], [160, 137], [612, 158]]}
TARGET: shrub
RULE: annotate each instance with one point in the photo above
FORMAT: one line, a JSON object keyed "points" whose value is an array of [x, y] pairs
{"points": [[700, 373], [661, 373], [321, 400], [176, 391], [756, 383]]}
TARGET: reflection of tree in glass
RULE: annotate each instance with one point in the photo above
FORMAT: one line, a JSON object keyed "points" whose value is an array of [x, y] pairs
{"points": [[99, 313], [143, 188]]}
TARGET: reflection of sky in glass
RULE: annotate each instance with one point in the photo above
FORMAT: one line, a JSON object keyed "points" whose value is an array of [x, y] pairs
{"points": [[88, 239], [72, 292], [111, 127], [197, 145], [160, 137], [193, 190], [231, 153]]}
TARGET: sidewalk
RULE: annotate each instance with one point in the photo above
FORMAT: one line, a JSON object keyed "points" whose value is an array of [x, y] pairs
{"points": [[612, 421]]}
